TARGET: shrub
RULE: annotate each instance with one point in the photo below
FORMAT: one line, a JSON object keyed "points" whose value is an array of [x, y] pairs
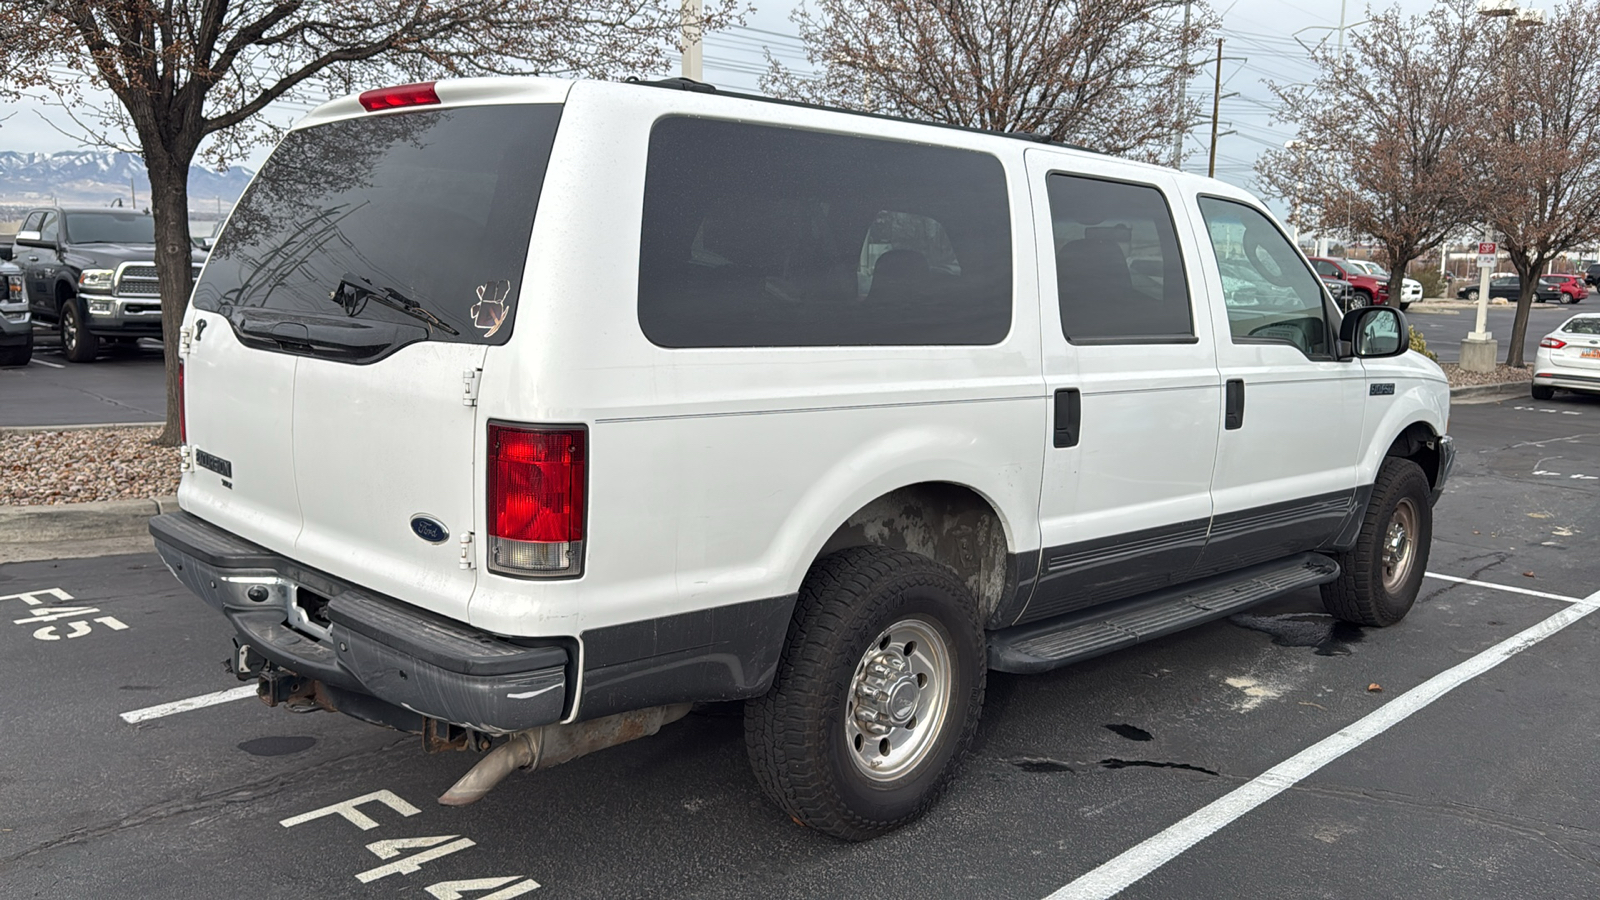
{"points": [[1420, 343], [1432, 284]]}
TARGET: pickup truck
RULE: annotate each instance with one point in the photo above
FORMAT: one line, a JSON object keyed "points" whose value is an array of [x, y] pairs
{"points": [[91, 271]]}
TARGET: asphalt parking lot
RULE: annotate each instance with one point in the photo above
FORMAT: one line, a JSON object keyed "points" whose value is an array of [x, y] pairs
{"points": [[1445, 326], [1246, 758], [127, 383]]}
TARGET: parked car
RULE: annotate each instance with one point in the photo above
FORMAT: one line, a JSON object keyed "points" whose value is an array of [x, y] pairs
{"points": [[1591, 276], [91, 271], [1510, 287], [1411, 289], [1367, 289], [1572, 288], [1342, 293], [1568, 358], [16, 324], [761, 403]]}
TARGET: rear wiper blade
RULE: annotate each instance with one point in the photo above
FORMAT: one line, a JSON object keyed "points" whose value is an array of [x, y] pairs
{"points": [[353, 292]]}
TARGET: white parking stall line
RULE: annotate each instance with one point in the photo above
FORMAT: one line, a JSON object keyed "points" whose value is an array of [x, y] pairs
{"points": [[178, 706], [1134, 864], [37, 361], [1505, 587]]}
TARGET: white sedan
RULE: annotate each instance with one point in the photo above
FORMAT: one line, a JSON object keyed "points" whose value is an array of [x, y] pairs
{"points": [[1568, 358]]}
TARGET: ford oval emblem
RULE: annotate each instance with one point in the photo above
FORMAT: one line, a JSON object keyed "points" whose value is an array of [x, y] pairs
{"points": [[429, 529]]}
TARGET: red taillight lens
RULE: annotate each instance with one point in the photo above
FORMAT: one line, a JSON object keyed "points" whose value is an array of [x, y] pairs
{"points": [[1553, 343], [536, 500], [183, 418], [398, 96]]}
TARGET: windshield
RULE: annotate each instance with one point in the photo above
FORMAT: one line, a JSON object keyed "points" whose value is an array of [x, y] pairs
{"points": [[428, 213], [1582, 326], [110, 227]]}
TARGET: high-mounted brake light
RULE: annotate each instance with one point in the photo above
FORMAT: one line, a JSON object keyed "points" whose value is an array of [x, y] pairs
{"points": [[183, 419], [536, 500], [398, 96], [1553, 343]]}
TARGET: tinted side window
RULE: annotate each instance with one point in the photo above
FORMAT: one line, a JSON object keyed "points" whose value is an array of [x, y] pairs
{"points": [[758, 236], [1118, 273], [1269, 292], [1327, 268]]}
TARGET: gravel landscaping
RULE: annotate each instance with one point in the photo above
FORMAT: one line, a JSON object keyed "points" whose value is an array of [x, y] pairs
{"points": [[1501, 374], [78, 466]]}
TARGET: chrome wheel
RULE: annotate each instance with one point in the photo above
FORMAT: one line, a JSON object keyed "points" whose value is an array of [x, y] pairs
{"points": [[1399, 544], [69, 329], [899, 698], [1473, 296]]}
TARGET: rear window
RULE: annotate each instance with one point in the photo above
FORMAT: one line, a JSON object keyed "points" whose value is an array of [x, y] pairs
{"points": [[758, 236], [414, 224], [1582, 326]]}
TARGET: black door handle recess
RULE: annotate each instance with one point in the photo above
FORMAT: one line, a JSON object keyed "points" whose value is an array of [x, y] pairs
{"points": [[1233, 413], [1069, 411]]}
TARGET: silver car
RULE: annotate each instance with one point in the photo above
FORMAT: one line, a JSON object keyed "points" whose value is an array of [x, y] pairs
{"points": [[1568, 358]]}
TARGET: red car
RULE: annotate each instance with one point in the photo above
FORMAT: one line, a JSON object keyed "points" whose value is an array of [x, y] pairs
{"points": [[1573, 289], [1365, 289]]}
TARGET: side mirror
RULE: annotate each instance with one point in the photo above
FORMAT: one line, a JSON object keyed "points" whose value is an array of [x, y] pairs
{"points": [[1375, 332], [28, 237]]}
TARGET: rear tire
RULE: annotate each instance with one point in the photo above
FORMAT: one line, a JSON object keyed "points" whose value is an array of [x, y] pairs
{"points": [[1379, 578], [877, 635], [1543, 392], [77, 344], [1473, 295]]}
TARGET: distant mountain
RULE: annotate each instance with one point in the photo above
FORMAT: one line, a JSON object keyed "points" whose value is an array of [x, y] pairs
{"points": [[97, 177]]}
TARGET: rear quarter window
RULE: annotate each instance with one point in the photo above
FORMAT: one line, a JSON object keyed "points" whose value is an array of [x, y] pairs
{"points": [[760, 236]]}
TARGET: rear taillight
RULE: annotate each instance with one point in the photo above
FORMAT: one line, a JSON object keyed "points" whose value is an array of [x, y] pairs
{"points": [[536, 500], [399, 96], [1553, 343], [183, 420]]}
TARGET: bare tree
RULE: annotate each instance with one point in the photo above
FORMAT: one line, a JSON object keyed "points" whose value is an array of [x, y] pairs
{"points": [[193, 75], [1100, 73], [1383, 133], [1540, 160]]}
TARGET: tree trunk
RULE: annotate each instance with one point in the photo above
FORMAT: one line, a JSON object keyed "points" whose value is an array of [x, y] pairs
{"points": [[169, 190], [1528, 269]]}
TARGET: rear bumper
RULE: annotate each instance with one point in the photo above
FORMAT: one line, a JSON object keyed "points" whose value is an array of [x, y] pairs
{"points": [[356, 641], [1572, 381]]}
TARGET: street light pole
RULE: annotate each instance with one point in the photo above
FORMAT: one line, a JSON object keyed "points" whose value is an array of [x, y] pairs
{"points": [[692, 46], [1181, 90]]}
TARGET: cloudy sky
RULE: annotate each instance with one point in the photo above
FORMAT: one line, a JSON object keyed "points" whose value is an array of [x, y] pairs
{"points": [[1260, 46]]}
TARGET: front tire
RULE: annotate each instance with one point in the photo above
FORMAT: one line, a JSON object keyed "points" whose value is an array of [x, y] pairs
{"points": [[77, 344], [1359, 299], [1473, 295], [877, 694], [1543, 392], [1379, 578]]}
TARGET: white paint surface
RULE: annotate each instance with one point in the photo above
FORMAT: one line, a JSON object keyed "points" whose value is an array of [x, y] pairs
{"points": [[178, 706], [348, 811], [1114, 876], [390, 849], [454, 890], [1504, 587]]}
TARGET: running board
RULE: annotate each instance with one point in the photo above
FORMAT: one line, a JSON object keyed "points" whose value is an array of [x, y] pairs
{"points": [[1041, 646]]}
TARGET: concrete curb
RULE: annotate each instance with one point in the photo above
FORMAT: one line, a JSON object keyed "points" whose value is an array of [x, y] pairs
{"points": [[1499, 391], [80, 521], [24, 429]]}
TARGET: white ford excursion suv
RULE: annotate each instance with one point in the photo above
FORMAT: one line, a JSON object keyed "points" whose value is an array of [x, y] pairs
{"points": [[524, 413]]}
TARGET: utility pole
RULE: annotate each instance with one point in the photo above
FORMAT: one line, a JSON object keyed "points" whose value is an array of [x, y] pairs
{"points": [[133, 192], [1216, 111], [693, 49], [1181, 90]]}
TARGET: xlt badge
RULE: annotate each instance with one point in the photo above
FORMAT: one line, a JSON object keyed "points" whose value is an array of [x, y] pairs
{"points": [[215, 463]]}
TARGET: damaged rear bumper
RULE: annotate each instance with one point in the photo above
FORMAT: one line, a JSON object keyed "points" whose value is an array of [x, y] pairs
{"points": [[378, 659]]}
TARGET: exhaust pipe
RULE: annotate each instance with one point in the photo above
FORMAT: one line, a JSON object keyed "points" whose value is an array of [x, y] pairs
{"points": [[550, 745]]}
